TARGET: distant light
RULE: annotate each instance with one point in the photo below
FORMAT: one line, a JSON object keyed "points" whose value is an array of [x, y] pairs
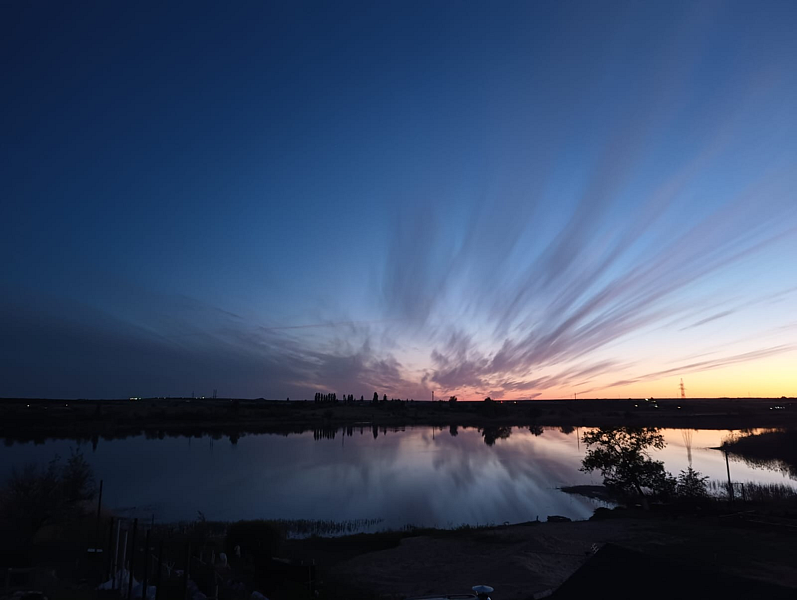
{"points": [[29, 407], [679, 407]]}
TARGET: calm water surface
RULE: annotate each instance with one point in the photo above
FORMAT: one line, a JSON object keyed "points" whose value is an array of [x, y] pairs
{"points": [[418, 476]]}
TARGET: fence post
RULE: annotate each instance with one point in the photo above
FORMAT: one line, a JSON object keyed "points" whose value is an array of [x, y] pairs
{"points": [[124, 560], [110, 543], [97, 530], [116, 554], [187, 567], [160, 569], [146, 565], [730, 485], [132, 560]]}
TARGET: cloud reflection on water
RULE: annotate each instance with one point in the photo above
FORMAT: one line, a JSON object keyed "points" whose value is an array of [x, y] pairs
{"points": [[419, 476]]}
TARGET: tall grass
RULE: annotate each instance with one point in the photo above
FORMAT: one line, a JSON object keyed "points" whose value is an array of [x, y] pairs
{"points": [[751, 491], [287, 528], [302, 528], [767, 449]]}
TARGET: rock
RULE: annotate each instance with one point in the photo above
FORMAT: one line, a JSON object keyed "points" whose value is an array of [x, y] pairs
{"points": [[558, 519]]}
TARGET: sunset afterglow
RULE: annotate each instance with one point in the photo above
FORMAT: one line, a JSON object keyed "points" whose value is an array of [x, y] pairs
{"points": [[536, 202]]}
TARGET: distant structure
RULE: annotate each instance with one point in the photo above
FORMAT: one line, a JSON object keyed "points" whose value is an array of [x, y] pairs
{"points": [[687, 435]]}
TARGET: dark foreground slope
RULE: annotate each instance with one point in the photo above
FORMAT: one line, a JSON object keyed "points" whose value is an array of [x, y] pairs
{"points": [[643, 557]]}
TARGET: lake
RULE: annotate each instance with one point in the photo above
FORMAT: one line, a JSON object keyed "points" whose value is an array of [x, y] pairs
{"points": [[421, 476]]}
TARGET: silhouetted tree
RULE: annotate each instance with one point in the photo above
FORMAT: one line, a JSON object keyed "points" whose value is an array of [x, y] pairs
{"points": [[376, 398], [621, 456], [453, 430], [452, 400], [384, 398], [491, 434], [488, 407], [36, 497], [691, 485]]}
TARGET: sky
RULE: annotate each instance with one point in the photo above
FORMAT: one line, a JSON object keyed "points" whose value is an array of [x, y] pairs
{"points": [[516, 200]]}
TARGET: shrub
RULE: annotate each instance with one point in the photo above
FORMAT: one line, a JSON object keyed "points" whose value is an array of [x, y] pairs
{"points": [[691, 485], [260, 539], [34, 497]]}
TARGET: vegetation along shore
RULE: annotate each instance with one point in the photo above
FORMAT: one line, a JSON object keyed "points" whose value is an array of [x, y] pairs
{"points": [[38, 419]]}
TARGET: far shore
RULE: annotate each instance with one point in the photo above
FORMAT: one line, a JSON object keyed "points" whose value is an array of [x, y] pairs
{"points": [[39, 419]]}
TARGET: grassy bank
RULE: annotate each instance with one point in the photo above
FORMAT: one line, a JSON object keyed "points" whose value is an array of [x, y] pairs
{"points": [[518, 560], [771, 449]]}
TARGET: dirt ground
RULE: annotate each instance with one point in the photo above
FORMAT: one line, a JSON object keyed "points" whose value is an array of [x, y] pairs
{"points": [[525, 561]]}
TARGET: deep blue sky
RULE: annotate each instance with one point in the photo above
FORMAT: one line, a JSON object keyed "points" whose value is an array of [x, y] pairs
{"points": [[517, 199]]}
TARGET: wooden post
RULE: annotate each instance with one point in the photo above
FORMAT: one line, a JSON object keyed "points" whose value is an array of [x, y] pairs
{"points": [[160, 569], [132, 560], [110, 543], [730, 485], [97, 530], [185, 573], [116, 554], [146, 566], [124, 558]]}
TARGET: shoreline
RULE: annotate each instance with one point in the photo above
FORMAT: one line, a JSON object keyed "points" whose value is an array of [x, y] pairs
{"points": [[23, 420]]}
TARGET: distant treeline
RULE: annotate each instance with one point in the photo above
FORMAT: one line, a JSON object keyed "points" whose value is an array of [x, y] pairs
{"points": [[24, 421], [350, 399]]}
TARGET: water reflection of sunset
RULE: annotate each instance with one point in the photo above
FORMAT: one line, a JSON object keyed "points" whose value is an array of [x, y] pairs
{"points": [[422, 475]]}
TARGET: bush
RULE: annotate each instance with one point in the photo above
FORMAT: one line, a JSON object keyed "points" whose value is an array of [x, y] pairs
{"points": [[35, 497], [690, 485], [260, 539]]}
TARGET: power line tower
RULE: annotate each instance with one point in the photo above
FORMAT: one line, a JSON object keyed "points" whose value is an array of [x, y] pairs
{"points": [[683, 390]]}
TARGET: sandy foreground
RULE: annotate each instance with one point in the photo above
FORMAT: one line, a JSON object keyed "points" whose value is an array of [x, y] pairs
{"points": [[523, 561]]}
